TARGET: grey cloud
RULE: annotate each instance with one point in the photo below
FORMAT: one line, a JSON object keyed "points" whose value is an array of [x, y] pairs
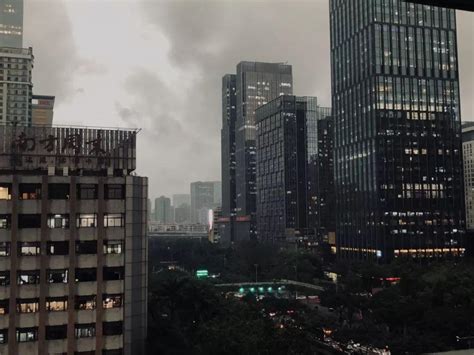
{"points": [[48, 30], [169, 151], [211, 37]]}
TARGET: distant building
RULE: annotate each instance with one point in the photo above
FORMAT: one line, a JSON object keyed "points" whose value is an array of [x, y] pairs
{"points": [[11, 23], [182, 214], [181, 199], [397, 124], [73, 243], [42, 110], [294, 170], [202, 198], [16, 85], [468, 159], [163, 211]]}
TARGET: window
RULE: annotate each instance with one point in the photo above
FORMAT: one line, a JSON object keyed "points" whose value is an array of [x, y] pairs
{"points": [[112, 301], [58, 191], [112, 328], [29, 221], [86, 220], [3, 336], [113, 273], [54, 332], [86, 247], [4, 304], [4, 278], [28, 248], [5, 221], [26, 334], [4, 248], [112, 352], [56, 304], [114, 220], [87, 274], [87, 191], [86, 302], [85, 330], [114, 192], [113, 246], [28, 277], [57, 248], [30, 191], [5, 191], [27, 305], [58, 221], [54, 276]]}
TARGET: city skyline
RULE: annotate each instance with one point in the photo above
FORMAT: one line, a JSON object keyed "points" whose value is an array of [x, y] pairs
{"points": [[92, 89]]}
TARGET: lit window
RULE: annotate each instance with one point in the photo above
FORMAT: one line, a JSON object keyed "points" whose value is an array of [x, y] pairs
{"points": [[58, 221], [56, 304], [5, 192], [113, 246], [85, 330], [26, 334], [86, 220], [112, 301], [27, 305], [28, 248], [4, 248], [114, 220]]}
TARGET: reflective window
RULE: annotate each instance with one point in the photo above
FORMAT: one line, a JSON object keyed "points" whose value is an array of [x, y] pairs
{"points": [[87, 191], [114, 192]]}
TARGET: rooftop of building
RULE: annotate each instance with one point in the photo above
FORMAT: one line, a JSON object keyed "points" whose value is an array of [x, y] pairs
{"points": [[77, 148]]}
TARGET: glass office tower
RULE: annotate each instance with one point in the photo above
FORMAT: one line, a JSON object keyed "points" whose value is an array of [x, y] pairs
{"points": [[293, 149], [398, 164], [256, 84]]}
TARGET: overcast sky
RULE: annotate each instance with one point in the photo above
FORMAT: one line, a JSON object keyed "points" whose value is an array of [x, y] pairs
{"points": [[157, 65]]}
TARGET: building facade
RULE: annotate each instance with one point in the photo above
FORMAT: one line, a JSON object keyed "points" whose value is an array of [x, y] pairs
{"points": [[11, 23], [42, 110], [73, 268], [163, 210], [289, 201], [202, 200], [256, 83], [16, 85], [398, 164], [229, 112], [468, 162]]}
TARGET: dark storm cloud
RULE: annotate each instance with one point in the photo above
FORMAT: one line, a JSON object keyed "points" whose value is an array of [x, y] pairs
{"points": [[208, 39], [48, 30]]}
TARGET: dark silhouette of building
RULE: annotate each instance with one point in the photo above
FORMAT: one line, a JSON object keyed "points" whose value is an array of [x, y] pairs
{"points": [[398, 164], [294, 156], [255, 84], [467, 5]]}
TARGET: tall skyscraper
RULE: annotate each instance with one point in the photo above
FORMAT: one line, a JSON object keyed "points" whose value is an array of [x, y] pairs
{"points": [[73, 275], [229, 112], [202, 200], [468, 160], [398, 164], [11, 23], [256, 84], [289, 171], [42, 110], [16, 85], [163, 211]]}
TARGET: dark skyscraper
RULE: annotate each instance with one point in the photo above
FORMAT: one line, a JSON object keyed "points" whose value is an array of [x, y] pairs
{"points": [[256, 84], [289, 144], [398, 164], [228, 155]]}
